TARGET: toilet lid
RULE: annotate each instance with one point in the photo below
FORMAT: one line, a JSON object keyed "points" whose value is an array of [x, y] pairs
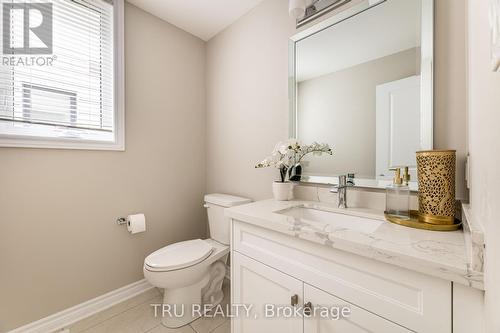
{"points": [[179, 255]]}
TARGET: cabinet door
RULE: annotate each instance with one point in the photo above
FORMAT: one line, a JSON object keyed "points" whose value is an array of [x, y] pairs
{"points": [[358, 321], [256, 284]]}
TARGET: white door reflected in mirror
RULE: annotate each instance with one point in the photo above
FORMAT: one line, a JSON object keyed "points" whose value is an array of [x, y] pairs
{"points": [[398, 128]]}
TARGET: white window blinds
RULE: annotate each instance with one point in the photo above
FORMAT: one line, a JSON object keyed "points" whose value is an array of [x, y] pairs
{"points": [[68, 93]]}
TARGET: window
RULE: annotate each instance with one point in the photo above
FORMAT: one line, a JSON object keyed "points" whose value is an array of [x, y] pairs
{"points": [[43, 98], [61, 74]]}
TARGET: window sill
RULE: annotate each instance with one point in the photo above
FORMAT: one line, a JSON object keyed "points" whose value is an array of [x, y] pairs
{"points": [[17, 135], [44, 143]]}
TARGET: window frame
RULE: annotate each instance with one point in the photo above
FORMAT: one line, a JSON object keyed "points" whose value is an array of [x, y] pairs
{"points": [[23, 141]]}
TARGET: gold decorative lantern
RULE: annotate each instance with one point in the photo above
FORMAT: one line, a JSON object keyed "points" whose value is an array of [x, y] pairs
{"points": [[436, 186]]}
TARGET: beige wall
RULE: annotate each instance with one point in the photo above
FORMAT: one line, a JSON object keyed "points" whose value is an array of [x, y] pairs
{"points": [[450, 119], [59, 244], [247, 99], [484, 145], [247, 105], [340, 109]]}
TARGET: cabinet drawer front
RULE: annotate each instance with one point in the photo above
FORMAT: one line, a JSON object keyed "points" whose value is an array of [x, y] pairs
{"points": [[413, 300], [257, 285], [358, 320]]}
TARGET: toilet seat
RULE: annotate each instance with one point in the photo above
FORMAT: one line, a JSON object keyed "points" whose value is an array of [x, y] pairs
{"points": [[178, 255]]}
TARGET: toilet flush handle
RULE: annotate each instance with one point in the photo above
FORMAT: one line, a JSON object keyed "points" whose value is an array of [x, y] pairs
{"points": [[206, 206]]}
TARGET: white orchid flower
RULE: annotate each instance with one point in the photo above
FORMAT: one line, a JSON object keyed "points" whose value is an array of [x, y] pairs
{"points": [[289, 153]]}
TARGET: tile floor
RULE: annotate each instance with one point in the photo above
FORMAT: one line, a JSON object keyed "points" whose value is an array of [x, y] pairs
{"points": [[136, 315]]}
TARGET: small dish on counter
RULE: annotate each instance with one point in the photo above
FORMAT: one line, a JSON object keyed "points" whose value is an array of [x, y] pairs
{"points": [[414, 222]]}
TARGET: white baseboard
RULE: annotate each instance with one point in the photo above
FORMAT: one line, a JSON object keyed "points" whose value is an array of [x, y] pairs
{"points": [[81, 311]]}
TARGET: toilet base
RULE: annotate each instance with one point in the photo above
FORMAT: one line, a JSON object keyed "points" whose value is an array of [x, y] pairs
{"points": [[182, 302], [190, 303]]}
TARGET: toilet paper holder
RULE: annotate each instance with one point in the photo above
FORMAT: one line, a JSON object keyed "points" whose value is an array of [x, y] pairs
{"points": [[134, 223]]}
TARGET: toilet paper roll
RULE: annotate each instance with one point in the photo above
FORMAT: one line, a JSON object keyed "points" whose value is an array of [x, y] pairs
{"points": [[136, 223]]}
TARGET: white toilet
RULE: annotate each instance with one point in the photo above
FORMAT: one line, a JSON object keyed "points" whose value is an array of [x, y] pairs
{"points": [[192, 272]]}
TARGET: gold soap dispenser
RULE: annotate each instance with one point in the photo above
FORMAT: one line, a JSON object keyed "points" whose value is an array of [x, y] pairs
{"points": [[406, 176], [398, 197]]}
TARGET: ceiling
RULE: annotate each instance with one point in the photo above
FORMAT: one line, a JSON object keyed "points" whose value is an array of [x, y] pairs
{"points": [[386, 29], [201, 18]]}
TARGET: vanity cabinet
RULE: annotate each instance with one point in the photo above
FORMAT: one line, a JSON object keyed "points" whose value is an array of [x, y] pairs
{"points": [[359, 320], [261, 285], [270, 267]]}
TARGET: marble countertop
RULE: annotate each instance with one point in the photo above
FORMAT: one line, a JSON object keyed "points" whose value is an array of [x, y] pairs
{"points": [[439, 254]]}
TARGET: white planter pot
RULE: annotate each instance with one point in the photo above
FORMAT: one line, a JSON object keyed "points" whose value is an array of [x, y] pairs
{"points": [[283, 191]]}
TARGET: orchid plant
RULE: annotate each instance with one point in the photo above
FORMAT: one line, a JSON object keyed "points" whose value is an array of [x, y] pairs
{"points": [[289, 153]]}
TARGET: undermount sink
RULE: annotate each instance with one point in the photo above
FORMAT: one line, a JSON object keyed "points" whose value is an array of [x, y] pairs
{"points": [[335, 219]]}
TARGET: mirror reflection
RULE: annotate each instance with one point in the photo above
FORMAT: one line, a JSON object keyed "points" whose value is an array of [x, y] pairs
{"points": [[358, 88]]}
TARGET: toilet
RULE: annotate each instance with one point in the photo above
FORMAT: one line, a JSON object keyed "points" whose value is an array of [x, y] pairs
{"points": [[191, 272]]}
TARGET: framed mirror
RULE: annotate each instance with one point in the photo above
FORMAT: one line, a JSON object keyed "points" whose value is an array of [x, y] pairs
{"points": [[362, 81]]}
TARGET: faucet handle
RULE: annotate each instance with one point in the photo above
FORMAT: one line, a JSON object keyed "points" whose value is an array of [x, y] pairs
{"points": [[350, 179], [342, 184]]}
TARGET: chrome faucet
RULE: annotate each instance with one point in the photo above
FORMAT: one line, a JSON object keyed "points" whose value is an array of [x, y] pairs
{"points": [[341, 189]]}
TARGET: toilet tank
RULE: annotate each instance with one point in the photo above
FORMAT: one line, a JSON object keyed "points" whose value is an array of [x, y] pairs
{"points": [[219, 224]]}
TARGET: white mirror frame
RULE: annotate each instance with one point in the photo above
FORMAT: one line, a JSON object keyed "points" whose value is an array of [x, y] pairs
{"points": [[427, 81], [495, 34]]}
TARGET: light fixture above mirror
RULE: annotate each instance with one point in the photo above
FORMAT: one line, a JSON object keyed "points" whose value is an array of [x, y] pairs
{"points": [[305, 11]]}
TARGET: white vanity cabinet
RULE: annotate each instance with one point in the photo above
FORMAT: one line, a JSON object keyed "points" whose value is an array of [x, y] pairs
{"points": [[359, 320], [260, 285], [270, 267]]}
